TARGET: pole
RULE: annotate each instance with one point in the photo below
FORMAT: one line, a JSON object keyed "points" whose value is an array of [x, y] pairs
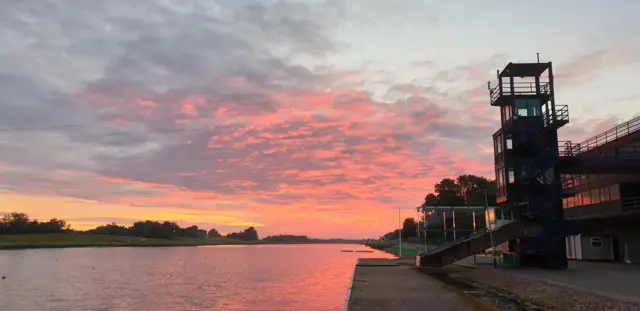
{"points": [[493, 247], [453, 221], [426, 248], [418, 230], [400, 233], [473, 214], [444, 222]]}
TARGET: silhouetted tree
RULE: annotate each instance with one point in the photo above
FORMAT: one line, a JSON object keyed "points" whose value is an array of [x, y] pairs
{"points": [[249, 234], [287, 238], [213, 233], [448, 193], [431, 200], [409, 228], [19, 223]]}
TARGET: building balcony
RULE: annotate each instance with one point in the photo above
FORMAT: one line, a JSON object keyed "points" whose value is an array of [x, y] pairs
{"points": [[502, 92], [560, 119]]}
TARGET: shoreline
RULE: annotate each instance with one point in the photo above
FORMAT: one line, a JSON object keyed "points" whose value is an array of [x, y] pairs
{"points": [[44, 241]]}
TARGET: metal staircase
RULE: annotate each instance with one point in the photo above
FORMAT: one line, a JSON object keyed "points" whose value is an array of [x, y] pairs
{"points": [[476, 243]]}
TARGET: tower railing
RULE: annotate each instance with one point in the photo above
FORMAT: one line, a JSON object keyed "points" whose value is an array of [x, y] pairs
{"points": [[630, 203], [562, 116], [519, 88]]}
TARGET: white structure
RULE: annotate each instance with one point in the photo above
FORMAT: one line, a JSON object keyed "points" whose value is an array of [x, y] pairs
{"points": [[497, 217], [581, 247]]}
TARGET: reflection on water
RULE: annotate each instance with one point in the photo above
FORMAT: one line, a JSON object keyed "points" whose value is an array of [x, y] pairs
{"points": [[243, 278]]}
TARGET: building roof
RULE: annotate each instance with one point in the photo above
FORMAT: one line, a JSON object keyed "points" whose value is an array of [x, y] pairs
{"points": [[448, 208], [524, 69]]}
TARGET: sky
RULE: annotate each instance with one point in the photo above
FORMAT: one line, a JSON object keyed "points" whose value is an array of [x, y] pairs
{"points": [[297, 117]]}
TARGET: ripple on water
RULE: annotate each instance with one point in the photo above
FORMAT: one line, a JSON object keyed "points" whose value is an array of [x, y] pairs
{"points": [[239, 278]]}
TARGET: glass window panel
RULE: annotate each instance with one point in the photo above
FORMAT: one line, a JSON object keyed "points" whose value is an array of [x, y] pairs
{"points": [[579, 199], [570, 202], [595, 196], [521, 107], [604, 194], [615, 192], [586, 198], [512, 177], [533, 107]]}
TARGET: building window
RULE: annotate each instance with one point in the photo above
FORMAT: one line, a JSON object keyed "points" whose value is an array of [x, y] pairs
{"points": [[512, 176], [570, 202], [527, 107], [498, 144], [596, 242], [615, 192], [506, 114], [579, 199], [605, 194], [586, 198], [508, 215], [595, 196], [500, 189]]}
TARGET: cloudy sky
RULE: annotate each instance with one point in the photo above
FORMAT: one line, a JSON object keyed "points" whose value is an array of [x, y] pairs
{"points": [[305, 117]]}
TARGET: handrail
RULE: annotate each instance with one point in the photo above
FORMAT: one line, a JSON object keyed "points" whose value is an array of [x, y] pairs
{"points": [[610, 135], [562, 114], [519, 88], [630, 203], [568, 149]]}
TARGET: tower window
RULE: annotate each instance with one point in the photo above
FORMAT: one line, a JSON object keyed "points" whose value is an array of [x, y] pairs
{"points": [[527, 107], [509, 142]]}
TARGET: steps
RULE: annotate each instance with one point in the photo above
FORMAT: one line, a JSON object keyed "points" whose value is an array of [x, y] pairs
{"points": [[450, 253]]}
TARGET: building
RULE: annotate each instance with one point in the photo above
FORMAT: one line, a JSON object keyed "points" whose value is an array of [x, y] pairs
{"points": [[526, 155], [537, 176], [606, 207]]}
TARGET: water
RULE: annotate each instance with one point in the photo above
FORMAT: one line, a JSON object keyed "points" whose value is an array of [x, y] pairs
{"points": [[242, 278]]}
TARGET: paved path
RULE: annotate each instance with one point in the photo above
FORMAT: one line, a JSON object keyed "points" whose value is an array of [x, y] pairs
{"points": [[395, 288], [608, 279]]}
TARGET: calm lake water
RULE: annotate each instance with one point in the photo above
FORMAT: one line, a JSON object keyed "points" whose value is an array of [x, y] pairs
{"points": [[233, 278]]}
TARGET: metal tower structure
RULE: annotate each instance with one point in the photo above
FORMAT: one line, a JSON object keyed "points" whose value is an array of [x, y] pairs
{"points": [[526, 153]]}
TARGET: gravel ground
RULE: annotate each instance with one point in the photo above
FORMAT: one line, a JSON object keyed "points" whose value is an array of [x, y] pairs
{"points": [[544, 294]]}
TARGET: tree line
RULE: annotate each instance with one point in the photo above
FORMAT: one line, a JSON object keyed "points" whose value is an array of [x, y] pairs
{"points": [[465, 190], [20, 223]]}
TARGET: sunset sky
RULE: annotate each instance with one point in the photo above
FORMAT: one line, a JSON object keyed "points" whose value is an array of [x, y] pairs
{"points": [[296, 117]]}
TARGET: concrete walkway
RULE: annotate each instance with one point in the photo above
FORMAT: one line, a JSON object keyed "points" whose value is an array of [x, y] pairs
{"points": [[391, 287], [607, 279]]}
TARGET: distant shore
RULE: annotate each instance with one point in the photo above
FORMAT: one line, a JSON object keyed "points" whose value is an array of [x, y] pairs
{"points": [[63, 240]]}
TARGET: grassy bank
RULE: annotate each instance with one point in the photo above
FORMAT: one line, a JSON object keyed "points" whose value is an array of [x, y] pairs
{"points": [[62, 240], [392, 248], [92, 240]]}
